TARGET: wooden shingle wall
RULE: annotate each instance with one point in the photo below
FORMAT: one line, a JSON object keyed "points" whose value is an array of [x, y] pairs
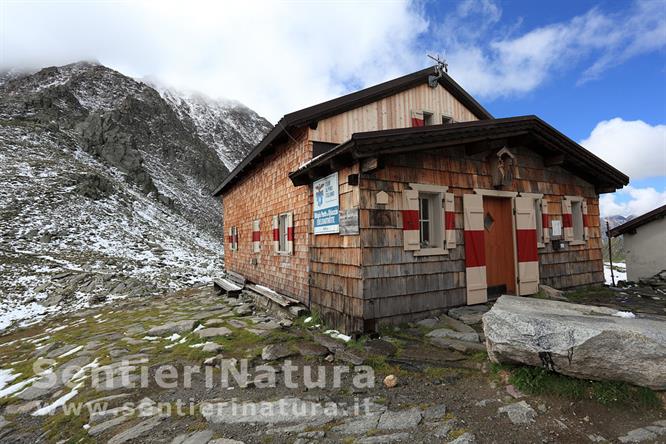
{"points": [[262, 194], [336, 289], [392, 112], [398, 286]]}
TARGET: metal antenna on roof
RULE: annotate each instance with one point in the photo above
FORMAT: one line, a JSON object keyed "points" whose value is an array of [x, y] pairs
{"points": [[441, 67]]}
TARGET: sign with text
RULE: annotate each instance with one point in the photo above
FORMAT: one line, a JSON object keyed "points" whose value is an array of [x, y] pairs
{"points": [[349, 222], [326, 205]]}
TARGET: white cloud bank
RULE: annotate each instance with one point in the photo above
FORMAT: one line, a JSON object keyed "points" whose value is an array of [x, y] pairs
{"points": [[280, 56], [273, 56], [634, 147], [641, 200], [638, 149]]}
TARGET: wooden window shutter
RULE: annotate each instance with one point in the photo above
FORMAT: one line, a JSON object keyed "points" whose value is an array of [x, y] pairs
{"points": [[586, 221], [410, 220], [290, 233], [450, 220], [417, 118], [545, 221], [567, 220], [256, 236], [276, 234], [526, 246], [475, 250]]}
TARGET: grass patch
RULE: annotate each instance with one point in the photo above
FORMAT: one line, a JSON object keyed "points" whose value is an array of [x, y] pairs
{"points": [[438, 372], [479, 356], [539, 381], [68, 428], [591, 291]]}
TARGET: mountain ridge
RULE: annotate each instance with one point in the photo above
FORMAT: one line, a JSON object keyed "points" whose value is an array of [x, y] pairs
{"points": [[108, 184]]}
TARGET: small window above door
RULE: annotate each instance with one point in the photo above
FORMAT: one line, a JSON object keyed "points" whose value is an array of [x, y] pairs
{"points": [[428, 118]]}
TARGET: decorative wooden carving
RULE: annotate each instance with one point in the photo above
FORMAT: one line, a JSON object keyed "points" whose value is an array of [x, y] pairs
{"points": [[503, 165]]}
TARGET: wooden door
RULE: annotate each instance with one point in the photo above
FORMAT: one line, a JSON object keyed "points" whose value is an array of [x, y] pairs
{"points": [[498, 228]]}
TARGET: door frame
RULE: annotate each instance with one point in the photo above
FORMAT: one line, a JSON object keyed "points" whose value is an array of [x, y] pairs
{"points": [[508, 195]]}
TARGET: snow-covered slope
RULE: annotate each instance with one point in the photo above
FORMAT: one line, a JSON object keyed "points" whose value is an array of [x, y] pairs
{"points": [[230, 127], [104, 192]]}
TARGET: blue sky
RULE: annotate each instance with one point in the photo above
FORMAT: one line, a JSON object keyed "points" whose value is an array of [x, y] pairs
{"points": [[595, 70], [627, 92]]}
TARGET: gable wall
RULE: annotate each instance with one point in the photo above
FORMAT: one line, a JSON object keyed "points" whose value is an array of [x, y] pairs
{"points": [[390, 113]]}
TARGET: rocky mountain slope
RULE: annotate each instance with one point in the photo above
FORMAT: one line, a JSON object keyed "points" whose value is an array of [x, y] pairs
{"points": [[105, 187], [231, 128]]}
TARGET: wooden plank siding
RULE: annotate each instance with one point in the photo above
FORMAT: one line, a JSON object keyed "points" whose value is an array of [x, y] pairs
{"points": [[336, 288], [391, 112], [398, 286], [262, 196], [356, 282]]}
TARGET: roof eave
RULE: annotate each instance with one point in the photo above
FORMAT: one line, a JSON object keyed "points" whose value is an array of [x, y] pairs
{"points": [[616, 179]]}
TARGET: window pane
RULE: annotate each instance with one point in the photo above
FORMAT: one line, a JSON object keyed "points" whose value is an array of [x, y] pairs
{"points": [[283, 233], [577, 213], [425, 233], [425, 208]]}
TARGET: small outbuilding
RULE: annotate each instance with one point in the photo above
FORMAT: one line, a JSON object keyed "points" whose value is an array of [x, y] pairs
{"points": [[397, 201], [644, 244]]}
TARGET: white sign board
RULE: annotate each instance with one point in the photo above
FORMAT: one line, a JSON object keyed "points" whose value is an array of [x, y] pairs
{"points": [[326, 205], [556, 227]]}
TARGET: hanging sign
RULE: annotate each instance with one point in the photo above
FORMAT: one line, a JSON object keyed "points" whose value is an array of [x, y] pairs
{"points": [[326, 205]]}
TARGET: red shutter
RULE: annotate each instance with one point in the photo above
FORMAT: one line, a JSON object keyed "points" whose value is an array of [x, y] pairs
{"points": [[475, 250], [276, 234], [526, 246], [417, 118], [290, 233], [256, 236], [410, 220], [567, 220], [586, 221], [449, 220]]}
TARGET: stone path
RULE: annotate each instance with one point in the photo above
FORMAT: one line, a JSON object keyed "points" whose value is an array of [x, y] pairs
{"points": [[203, 328]]}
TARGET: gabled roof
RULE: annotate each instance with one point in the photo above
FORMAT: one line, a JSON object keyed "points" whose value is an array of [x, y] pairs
{"points": [[558, 148], [631, 226], [311, 115]]}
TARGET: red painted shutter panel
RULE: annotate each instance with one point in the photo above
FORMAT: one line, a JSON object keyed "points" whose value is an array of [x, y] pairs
{"points": [[475, 249], [526, 246], [410, 220]]}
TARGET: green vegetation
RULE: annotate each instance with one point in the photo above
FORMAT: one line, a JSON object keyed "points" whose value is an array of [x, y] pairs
{"points": [[539, 381], [587, 292]]}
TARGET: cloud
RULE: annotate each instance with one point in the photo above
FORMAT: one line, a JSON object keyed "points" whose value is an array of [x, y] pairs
{"points": [[634, 147], [640, 200], [514, 63], [273, 56], [277, 57]]}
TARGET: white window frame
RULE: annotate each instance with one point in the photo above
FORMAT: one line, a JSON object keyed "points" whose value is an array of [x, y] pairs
{"points": [[447, 119], [577, 220], [283, 233], [431, 200], [428, 118], [436, 195]]}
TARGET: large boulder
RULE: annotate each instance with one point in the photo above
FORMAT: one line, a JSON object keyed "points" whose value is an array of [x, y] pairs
{"points": [[577, 340]]}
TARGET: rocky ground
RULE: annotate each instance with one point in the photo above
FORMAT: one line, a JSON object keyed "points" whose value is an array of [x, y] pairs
{"points": [[423, 382]]}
